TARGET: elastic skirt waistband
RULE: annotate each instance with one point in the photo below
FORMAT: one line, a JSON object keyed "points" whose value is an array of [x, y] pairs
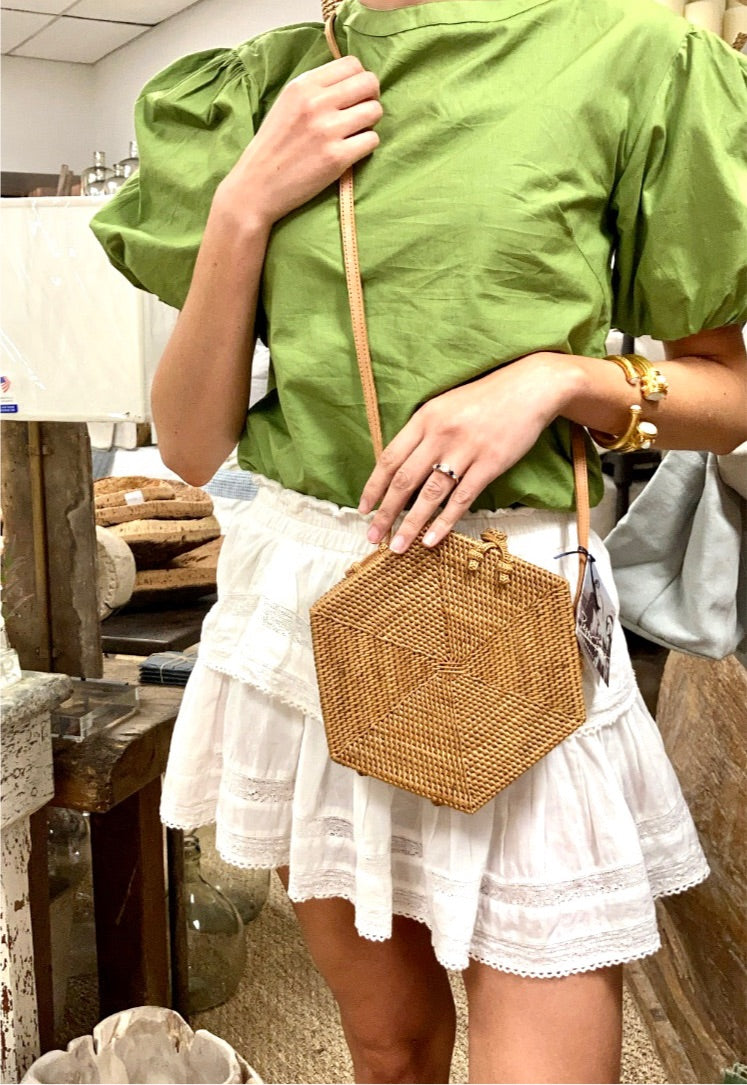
{"points": [[335, 527]]}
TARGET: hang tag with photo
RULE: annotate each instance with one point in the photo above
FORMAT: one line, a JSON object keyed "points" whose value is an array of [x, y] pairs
{"points": [[595, 620]]}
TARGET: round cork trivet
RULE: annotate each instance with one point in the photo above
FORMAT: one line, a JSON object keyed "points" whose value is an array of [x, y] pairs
{"points": [[154, 491], [205, 556], [121, 483], [188, 502], [155, 542], [156, 585]]}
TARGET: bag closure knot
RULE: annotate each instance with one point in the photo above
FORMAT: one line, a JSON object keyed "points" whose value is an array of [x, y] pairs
{"points": [[491, 540]]}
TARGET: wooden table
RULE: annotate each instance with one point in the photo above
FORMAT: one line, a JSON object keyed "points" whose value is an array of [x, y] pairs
{"points": [[141, 632], [115, 776]]}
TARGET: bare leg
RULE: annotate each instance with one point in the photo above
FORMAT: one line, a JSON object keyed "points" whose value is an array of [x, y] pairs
{"points": [[394, 997], [544, 1030]]}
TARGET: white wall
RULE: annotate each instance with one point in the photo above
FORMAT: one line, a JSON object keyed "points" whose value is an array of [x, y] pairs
{"points": [[47, 115], [54, 112], [119, 77]]}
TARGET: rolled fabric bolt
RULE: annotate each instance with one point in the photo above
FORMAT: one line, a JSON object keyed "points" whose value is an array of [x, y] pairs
{"points": [[705, 14], [677, 6], [735, 23]]}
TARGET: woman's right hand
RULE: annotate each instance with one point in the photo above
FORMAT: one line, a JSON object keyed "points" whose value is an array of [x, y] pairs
{"points": [[320, 123]]}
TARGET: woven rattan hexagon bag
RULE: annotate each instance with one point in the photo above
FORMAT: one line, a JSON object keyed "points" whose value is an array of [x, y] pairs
{"points": [[446, 672]]}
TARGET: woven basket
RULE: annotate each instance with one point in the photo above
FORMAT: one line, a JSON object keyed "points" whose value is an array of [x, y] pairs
{"points": [[435, 676], [329, 7]]}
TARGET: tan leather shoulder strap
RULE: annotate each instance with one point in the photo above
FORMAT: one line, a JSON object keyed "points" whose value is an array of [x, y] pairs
{"points": [[355, 286], [363, 355], [583, 515]]}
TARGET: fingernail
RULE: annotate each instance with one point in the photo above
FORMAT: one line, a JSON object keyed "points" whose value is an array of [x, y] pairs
{"points": [[429, 539], [363, 507], [397, 545], [374, 535]]}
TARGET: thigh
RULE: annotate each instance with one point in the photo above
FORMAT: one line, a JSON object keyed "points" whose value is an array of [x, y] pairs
{"points": [[394, 997], [565, 1029]]}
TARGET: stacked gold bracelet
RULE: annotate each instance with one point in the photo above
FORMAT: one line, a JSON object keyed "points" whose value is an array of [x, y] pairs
{"points": [[639, 370], [653, 385]]}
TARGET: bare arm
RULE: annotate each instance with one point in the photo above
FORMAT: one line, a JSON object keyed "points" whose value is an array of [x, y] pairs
{"points": [[707, 403], [319, 125], [484, 427]]}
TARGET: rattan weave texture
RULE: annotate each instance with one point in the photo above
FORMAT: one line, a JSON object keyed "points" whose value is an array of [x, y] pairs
{"points": [[445, 681]]}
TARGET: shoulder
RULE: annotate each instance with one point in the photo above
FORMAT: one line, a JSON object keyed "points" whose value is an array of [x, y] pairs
{"points": [[273, 56], [642, 23]]}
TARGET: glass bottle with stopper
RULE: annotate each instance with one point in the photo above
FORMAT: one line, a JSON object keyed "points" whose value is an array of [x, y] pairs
{"points": [[93, 179], [117, 179], [131, 163]]}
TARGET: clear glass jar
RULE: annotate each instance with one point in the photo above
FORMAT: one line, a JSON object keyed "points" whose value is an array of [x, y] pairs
{"points": [[131, 163], [216, 943], [68, 847], [93, 179], [116, 180]]}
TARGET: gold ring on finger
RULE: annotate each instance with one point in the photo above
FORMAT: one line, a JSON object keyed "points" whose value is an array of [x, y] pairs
{"points": [[445, 469]]}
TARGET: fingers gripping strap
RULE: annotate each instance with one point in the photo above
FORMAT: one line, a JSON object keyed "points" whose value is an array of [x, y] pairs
{"points": [[355, 286], [360, 336]]}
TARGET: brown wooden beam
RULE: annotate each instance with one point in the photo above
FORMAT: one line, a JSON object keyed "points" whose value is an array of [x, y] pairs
{"points": [[25, 591], [129, 899], [50, 547], [178, 923]]}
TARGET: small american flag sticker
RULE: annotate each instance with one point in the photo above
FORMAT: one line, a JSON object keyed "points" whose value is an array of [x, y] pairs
{"points": [[4, 384]]}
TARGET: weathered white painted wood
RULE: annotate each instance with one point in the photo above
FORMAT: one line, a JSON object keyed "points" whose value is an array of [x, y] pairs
{"points": [[19, 1027], [26, 784]]}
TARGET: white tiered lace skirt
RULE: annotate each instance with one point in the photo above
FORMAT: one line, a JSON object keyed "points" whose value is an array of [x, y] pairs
{"points": [[557, 874]]}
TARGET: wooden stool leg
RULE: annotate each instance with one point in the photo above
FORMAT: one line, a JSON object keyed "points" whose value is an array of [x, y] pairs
{"points": [[178, 923], [129, 898]]}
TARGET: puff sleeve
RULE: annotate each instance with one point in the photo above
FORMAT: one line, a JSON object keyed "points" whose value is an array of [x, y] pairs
{"points": [[680, 206], [192, 122]]}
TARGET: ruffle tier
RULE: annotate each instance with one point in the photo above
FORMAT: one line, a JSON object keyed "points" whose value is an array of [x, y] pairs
{"points": [[557, 874]]}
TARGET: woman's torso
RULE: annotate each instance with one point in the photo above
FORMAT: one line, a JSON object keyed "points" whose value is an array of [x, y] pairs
{"points": [[483, 225]]}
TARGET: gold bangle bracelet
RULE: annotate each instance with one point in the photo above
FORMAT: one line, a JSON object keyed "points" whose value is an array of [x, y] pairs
{"points": [[639, 436], [639, 370], [631, 376]]}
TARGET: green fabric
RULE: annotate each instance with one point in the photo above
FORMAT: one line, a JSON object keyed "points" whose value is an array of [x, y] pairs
{"points": [[523, 143]]}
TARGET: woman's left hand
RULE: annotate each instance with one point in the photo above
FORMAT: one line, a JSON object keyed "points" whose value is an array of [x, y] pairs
{"points": [[478, 430]]}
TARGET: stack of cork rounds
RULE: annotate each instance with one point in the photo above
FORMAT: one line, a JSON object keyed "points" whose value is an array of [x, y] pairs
{"points": [[727, 18], [169, 529]]}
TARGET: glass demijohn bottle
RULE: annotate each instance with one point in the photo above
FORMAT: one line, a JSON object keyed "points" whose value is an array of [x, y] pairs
{"points": [[216, 943], [246, 889], [93, 179]]}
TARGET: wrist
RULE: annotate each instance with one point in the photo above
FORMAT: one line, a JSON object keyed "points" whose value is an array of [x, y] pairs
{"points": [[560, 377], [231, 211]]}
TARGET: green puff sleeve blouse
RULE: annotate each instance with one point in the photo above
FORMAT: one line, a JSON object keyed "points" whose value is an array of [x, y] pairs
{"points": [[547, 169]]}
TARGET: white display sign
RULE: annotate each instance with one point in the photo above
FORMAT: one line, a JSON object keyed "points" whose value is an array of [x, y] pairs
{"points": [[78, 342]]}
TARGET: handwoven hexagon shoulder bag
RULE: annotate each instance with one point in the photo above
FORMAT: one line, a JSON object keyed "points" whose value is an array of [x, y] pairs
{"points": [[446, 672]]}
